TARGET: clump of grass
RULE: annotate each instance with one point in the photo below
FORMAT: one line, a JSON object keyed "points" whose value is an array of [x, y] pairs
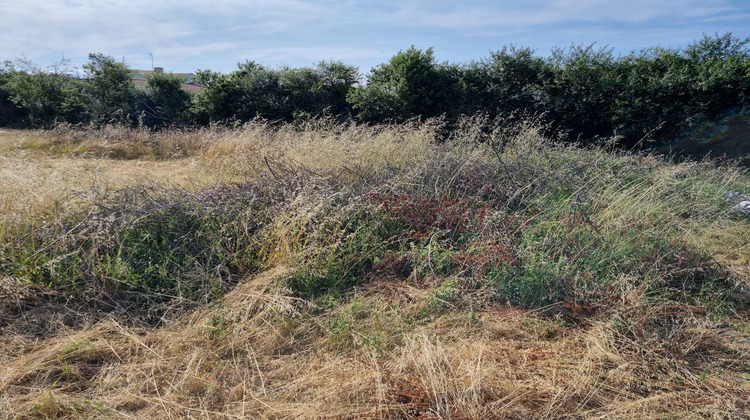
{"points": [[118, 142], [148, 245]]}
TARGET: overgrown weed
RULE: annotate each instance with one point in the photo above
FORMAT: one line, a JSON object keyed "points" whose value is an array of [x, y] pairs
{"points": [[348, 271]]}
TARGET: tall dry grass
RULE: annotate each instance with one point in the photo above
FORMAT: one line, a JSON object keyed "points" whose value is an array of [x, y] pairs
{"points": [[259, 356], [358, 280], [43, 170]]}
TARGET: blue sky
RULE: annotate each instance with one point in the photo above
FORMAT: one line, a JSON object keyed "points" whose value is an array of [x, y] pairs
{"points": [[188, 35]]}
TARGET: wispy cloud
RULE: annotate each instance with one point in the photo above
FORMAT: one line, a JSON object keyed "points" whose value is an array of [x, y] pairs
{"points": [[189, 33], [312, 54], [480, 14], [80, 27]]}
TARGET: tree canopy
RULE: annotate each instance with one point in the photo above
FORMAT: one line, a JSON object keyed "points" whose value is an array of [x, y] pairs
{"points": [[583, 90]]}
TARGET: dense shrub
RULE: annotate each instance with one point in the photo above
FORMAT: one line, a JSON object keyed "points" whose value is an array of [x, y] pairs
{"points": [[110, 91], [512, 79], [585, 91], [411, 84], [275, 94], [163, 102], [40, 97]]}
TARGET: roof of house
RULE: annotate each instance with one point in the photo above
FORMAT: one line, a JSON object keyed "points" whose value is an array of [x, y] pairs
{"points": [[192, 88], [147, 72]]}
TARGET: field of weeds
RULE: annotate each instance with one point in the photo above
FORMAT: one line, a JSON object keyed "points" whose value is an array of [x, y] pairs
{"points": [[320, 270]]}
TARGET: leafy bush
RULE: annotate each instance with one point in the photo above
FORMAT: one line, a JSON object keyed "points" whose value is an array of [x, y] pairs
{"points": [[44, 95], [110, 91], [275, 94], [163, 102], [410, 85], [583, 91]]}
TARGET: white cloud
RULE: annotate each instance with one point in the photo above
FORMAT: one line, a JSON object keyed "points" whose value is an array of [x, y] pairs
{"points": [[481, 14], [311, 54], [294, 31], [42, 27]]}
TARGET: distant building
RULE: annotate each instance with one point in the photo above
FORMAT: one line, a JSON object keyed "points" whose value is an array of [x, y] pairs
{"points": [[139, 79]]}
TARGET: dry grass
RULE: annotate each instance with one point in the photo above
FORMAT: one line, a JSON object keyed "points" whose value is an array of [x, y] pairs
{"points": [[407, 340], [37, 182], [42, 170], [264, 358]]}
